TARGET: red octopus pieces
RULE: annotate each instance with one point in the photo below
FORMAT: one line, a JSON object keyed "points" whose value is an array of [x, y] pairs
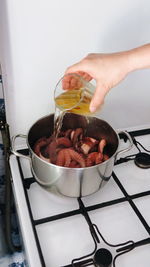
{"points": [[72, 149]]}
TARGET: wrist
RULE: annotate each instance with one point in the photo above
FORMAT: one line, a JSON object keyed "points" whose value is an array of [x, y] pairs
{"points": [[127, 62], [139, 58], [131, 61]]}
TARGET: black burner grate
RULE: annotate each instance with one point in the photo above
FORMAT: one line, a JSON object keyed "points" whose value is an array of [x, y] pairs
{"points": [[89, 260]]}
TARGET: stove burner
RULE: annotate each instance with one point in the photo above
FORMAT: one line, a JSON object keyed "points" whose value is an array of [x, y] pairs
{"points": [[103, 258], [142, 160]]}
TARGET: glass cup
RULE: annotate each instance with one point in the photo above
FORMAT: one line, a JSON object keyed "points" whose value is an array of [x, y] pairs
{"points": [[73, 94]]}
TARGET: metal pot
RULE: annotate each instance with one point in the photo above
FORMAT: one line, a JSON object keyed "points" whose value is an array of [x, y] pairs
{"points": [[73, 182]]}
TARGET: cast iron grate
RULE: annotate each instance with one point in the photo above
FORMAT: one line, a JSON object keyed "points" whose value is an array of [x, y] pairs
{"points": [[90, 259]]}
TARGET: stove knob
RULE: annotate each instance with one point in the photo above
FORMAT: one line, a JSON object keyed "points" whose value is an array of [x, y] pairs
{"points": [[142, 160], [103, 258]]}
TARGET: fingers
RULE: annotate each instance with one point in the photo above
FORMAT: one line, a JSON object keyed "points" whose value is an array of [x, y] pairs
{"points": [[85, 75], [71, 81], [80, 69]]}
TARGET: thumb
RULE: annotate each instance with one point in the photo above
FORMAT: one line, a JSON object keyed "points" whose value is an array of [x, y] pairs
{"points": [[98, 98]]}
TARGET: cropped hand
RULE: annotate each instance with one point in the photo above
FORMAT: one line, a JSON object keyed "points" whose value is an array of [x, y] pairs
{"points": [[107, 69]]}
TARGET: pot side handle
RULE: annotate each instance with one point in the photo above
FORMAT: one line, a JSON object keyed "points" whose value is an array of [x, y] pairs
{"points": [[13, 149], [130, 145]]}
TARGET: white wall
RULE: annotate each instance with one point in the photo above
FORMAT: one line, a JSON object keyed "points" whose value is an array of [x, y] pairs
{"points": [[41, 38]]}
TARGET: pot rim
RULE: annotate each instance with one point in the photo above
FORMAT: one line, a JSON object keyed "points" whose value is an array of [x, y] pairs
{"points": [[62, 167]]}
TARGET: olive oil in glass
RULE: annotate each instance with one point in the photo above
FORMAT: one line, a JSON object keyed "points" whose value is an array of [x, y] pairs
{"points": [[75, 99]]}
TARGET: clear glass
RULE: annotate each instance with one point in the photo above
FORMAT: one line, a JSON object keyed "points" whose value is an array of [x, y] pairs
{"points": [[73, 94]]}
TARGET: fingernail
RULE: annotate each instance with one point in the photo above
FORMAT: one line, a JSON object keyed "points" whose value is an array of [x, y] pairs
{"points": [[92, 109]]}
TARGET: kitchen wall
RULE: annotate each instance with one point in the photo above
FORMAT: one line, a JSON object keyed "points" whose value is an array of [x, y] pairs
{"points": [[40, 39]]}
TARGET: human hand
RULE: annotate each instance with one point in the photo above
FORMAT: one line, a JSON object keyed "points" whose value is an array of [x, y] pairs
{"points": [[107, 69]]}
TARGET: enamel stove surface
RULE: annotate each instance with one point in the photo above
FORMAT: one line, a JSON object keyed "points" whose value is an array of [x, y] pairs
{"points": [[62, 231]]}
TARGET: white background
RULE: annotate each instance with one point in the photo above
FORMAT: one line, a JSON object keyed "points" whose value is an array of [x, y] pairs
{"points": [[39, 39]]}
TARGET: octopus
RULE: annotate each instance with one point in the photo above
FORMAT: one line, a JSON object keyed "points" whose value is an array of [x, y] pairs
{"points": [[71, 149]]}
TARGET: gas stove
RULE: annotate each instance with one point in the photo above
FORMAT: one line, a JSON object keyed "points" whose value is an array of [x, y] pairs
{"points": [[108, 228]]}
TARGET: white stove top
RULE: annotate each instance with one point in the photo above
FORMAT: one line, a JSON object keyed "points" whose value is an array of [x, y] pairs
{"points": [[66, 236]]}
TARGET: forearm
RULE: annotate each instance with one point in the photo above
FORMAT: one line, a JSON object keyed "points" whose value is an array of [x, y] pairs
{"points": [[139, 58]]}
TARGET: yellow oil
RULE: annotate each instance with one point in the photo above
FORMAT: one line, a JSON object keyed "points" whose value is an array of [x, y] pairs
{"points": [[76, 101]]}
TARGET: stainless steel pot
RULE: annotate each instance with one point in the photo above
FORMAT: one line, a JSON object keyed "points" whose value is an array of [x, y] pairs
{"points": [[73, 182]]}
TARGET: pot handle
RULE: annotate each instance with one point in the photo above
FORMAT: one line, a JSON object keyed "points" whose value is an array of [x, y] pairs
{"points": [[130, 140], [13, 149]]}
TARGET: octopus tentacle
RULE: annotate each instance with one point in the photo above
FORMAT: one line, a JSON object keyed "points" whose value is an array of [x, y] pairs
{"points": [[77, 135], [88, 144], [73, 164], [105, 157], [67, 158], [93, 158], [101, 145], [99, 158], [67, 155], [51, 149], [77, 157], [64, 141], [68, 133], [71, 149], [39, 144], [90, 160], [60, 161]]}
